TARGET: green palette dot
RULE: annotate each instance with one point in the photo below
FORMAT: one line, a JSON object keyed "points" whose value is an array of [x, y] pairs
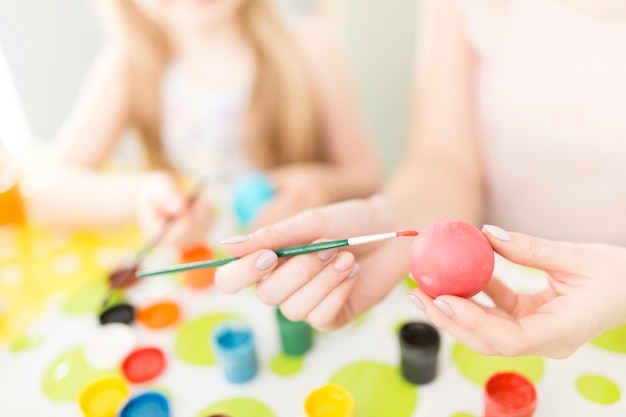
{"points": [[377, 389], [613, 340], [27, 341], [409, 283], [598, 389], [285, 365], [87, 300], [238, 407], [67, 376], [193, 340], [478, 368]]}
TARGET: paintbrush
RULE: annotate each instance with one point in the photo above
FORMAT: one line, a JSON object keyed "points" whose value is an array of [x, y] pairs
{"points": [[288, 251]]}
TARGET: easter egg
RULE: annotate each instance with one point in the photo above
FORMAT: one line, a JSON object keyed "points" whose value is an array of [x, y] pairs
{"points": [[451, 257], [250, 194]]}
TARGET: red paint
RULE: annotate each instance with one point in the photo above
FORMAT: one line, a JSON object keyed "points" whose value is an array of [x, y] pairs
{"points": [[406, 233], [143, 364], [509, 394], [451, 257]]}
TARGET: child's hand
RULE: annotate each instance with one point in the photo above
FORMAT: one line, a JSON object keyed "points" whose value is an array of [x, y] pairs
{"points": [[161, 201], [297, 188], [585, 297], [328, 288]]}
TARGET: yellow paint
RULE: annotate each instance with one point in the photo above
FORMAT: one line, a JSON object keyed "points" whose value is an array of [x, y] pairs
{"points": [[40, 265]]}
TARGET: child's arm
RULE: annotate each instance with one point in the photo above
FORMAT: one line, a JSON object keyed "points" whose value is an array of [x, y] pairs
{"points": [[71, 190]]}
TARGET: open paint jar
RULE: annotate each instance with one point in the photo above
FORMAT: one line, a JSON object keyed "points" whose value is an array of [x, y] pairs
{"points": [[509, 394]]}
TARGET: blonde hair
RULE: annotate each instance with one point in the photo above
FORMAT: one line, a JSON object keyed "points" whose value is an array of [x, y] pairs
{"points": [[281, 121]]}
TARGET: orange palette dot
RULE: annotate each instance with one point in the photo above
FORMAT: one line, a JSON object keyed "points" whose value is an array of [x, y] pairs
{"points": [[103, 397], [160, 315], [143, 364]]}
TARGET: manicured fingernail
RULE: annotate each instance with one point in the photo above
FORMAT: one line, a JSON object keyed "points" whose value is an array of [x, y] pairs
{"points": [[343, 262], [355, 271], [443, 306], [325, 255], [416, 301], [497, 232], [235, 239], [266, 260]]}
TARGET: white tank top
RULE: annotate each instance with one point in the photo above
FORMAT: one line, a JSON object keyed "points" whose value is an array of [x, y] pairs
{"points": [[202, 138], [551, 103]]}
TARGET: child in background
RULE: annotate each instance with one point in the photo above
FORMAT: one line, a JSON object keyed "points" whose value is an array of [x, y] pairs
{"points": [[214, 90]]}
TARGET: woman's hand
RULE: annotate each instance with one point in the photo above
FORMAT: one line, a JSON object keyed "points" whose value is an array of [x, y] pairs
{"points": [[161, 203], [585, 297], [329, 288]]}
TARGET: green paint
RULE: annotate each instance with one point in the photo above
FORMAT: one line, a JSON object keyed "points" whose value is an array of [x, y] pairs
{"points": [[359, 320], [598, 389], [193, 340], [613, 340], [27, 341], [67, 376], [87, 300], [478, 368], [377, 389], [462, 415], [238, 407], [285, 365]]}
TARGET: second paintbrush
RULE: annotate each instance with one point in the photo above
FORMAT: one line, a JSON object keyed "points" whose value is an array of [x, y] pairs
{"points": [[288, 251]]}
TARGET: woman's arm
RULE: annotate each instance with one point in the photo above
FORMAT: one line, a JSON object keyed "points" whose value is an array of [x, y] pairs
{"points": [[441, 176]]}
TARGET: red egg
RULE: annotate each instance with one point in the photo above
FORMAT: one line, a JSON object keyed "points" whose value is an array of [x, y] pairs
{"points": [[451, 257]]}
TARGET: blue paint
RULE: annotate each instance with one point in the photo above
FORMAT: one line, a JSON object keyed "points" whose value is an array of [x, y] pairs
{"points": [[234, 347], [152, 404], [250, 194]]}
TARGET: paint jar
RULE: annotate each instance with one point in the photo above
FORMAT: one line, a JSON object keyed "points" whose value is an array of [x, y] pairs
{"points": [[296, 337], [250, 194], [197, 278], [419, 350], [509, 394], [11, 203], [329, 401], [234, 346]]}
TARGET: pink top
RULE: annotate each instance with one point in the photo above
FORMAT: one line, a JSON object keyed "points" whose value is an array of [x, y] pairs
{"points": [[551, 102]]}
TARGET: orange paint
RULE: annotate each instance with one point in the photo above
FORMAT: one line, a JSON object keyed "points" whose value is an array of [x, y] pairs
{"points": [[158, 316], [198, 278]]}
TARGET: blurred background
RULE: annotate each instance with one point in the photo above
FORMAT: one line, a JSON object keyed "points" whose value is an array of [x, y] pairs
{"points": [[47, 45]]}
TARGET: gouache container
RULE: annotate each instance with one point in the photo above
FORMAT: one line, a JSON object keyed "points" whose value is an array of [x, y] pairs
{"points": [[10, 196], [103, 397], [250, 194], [109, 345], [329, 401], [143, 364], [197, 278], [296, 337], [159, 315], [118, 313], [509, 394], [234, 346], [419, 350], [148, 404]]}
